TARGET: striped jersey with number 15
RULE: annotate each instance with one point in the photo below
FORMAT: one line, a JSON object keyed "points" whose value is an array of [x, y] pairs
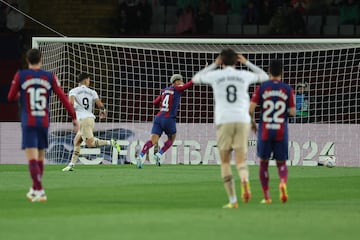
{"points": [[35, 87]]}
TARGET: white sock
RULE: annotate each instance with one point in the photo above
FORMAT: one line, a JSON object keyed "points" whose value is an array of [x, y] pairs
{"points": [[233, 199], [39, 192]]}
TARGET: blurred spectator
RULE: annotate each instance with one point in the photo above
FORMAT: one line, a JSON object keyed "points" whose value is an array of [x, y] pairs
{"points": [[15, 21], [276, 3], [236, 6], [219, 7], [144, 15], [333, 6], [204, 18], [185, 24], [279, 23], [317, 7], [296, 22], [335, 2], [155, 3], [266, 12], [250, 14], [204, 6], [300, 5], [128, 16], [183, 4], [122, 24], [128, 22], [302, 104], [349, 12]]}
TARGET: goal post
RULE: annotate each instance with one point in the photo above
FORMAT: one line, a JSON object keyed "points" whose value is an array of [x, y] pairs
{"points": [[128, 73]]}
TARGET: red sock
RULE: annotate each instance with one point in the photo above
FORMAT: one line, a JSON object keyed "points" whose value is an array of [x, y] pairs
{"points": [[282, 170], [35, 174], [146, 147], [41, 167], [166, 146], [264, 178]]}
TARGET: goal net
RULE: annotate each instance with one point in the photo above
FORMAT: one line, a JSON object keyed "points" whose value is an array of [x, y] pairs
{"points": [[128, 75]]}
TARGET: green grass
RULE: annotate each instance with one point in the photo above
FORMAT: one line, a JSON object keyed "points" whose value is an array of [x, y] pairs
{"points": [[176, 202]]}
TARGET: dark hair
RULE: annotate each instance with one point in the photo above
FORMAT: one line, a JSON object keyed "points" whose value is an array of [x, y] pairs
{"points": [[276, 67], [33, 56], [228, 57], [83, 76]]}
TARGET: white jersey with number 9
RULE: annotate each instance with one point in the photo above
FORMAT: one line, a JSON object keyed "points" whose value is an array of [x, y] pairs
{"points": [[84, 101]]}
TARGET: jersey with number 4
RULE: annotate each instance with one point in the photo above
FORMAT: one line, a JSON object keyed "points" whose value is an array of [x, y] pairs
{"points": [[230, 87], [35, 87], [169, 100], [274, 98], [84, 101]]}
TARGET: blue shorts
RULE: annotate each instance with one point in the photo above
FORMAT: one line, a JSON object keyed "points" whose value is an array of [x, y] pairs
{"points": [[279, 149], [34, 137], [161, 124]]}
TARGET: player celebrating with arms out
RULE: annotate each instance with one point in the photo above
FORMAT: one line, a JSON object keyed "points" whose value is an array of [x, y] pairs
{"points": [[82, 98], [230, 87], [277, 102], [35, 86], [165, 119]]}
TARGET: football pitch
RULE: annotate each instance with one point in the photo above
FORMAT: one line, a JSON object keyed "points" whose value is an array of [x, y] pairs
{"points": [[177, 202]]}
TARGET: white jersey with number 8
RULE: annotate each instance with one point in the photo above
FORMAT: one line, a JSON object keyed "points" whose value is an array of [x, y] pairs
{"points": [[230, 88]]}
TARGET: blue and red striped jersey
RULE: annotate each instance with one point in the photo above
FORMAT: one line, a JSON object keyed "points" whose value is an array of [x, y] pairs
{"points": [[34, 87], [169, 100], [274, 98]]}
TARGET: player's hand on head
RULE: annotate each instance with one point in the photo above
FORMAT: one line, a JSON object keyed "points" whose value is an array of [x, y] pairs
{"points": [[241, 59], [218, 60]]}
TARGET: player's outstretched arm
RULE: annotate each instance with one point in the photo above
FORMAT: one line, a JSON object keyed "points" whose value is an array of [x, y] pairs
{"points": [[262, 75], [197, 79], [157, 101], [14, 89], [100, 105], [187, 85]]}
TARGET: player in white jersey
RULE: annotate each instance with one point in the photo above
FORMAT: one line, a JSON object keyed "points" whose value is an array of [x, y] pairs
{"points": [[83, 99], [232, 119]]}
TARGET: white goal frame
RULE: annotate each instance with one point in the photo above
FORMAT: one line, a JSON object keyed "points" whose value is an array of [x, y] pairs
{"points": [[305, 149], [36, 40]]}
